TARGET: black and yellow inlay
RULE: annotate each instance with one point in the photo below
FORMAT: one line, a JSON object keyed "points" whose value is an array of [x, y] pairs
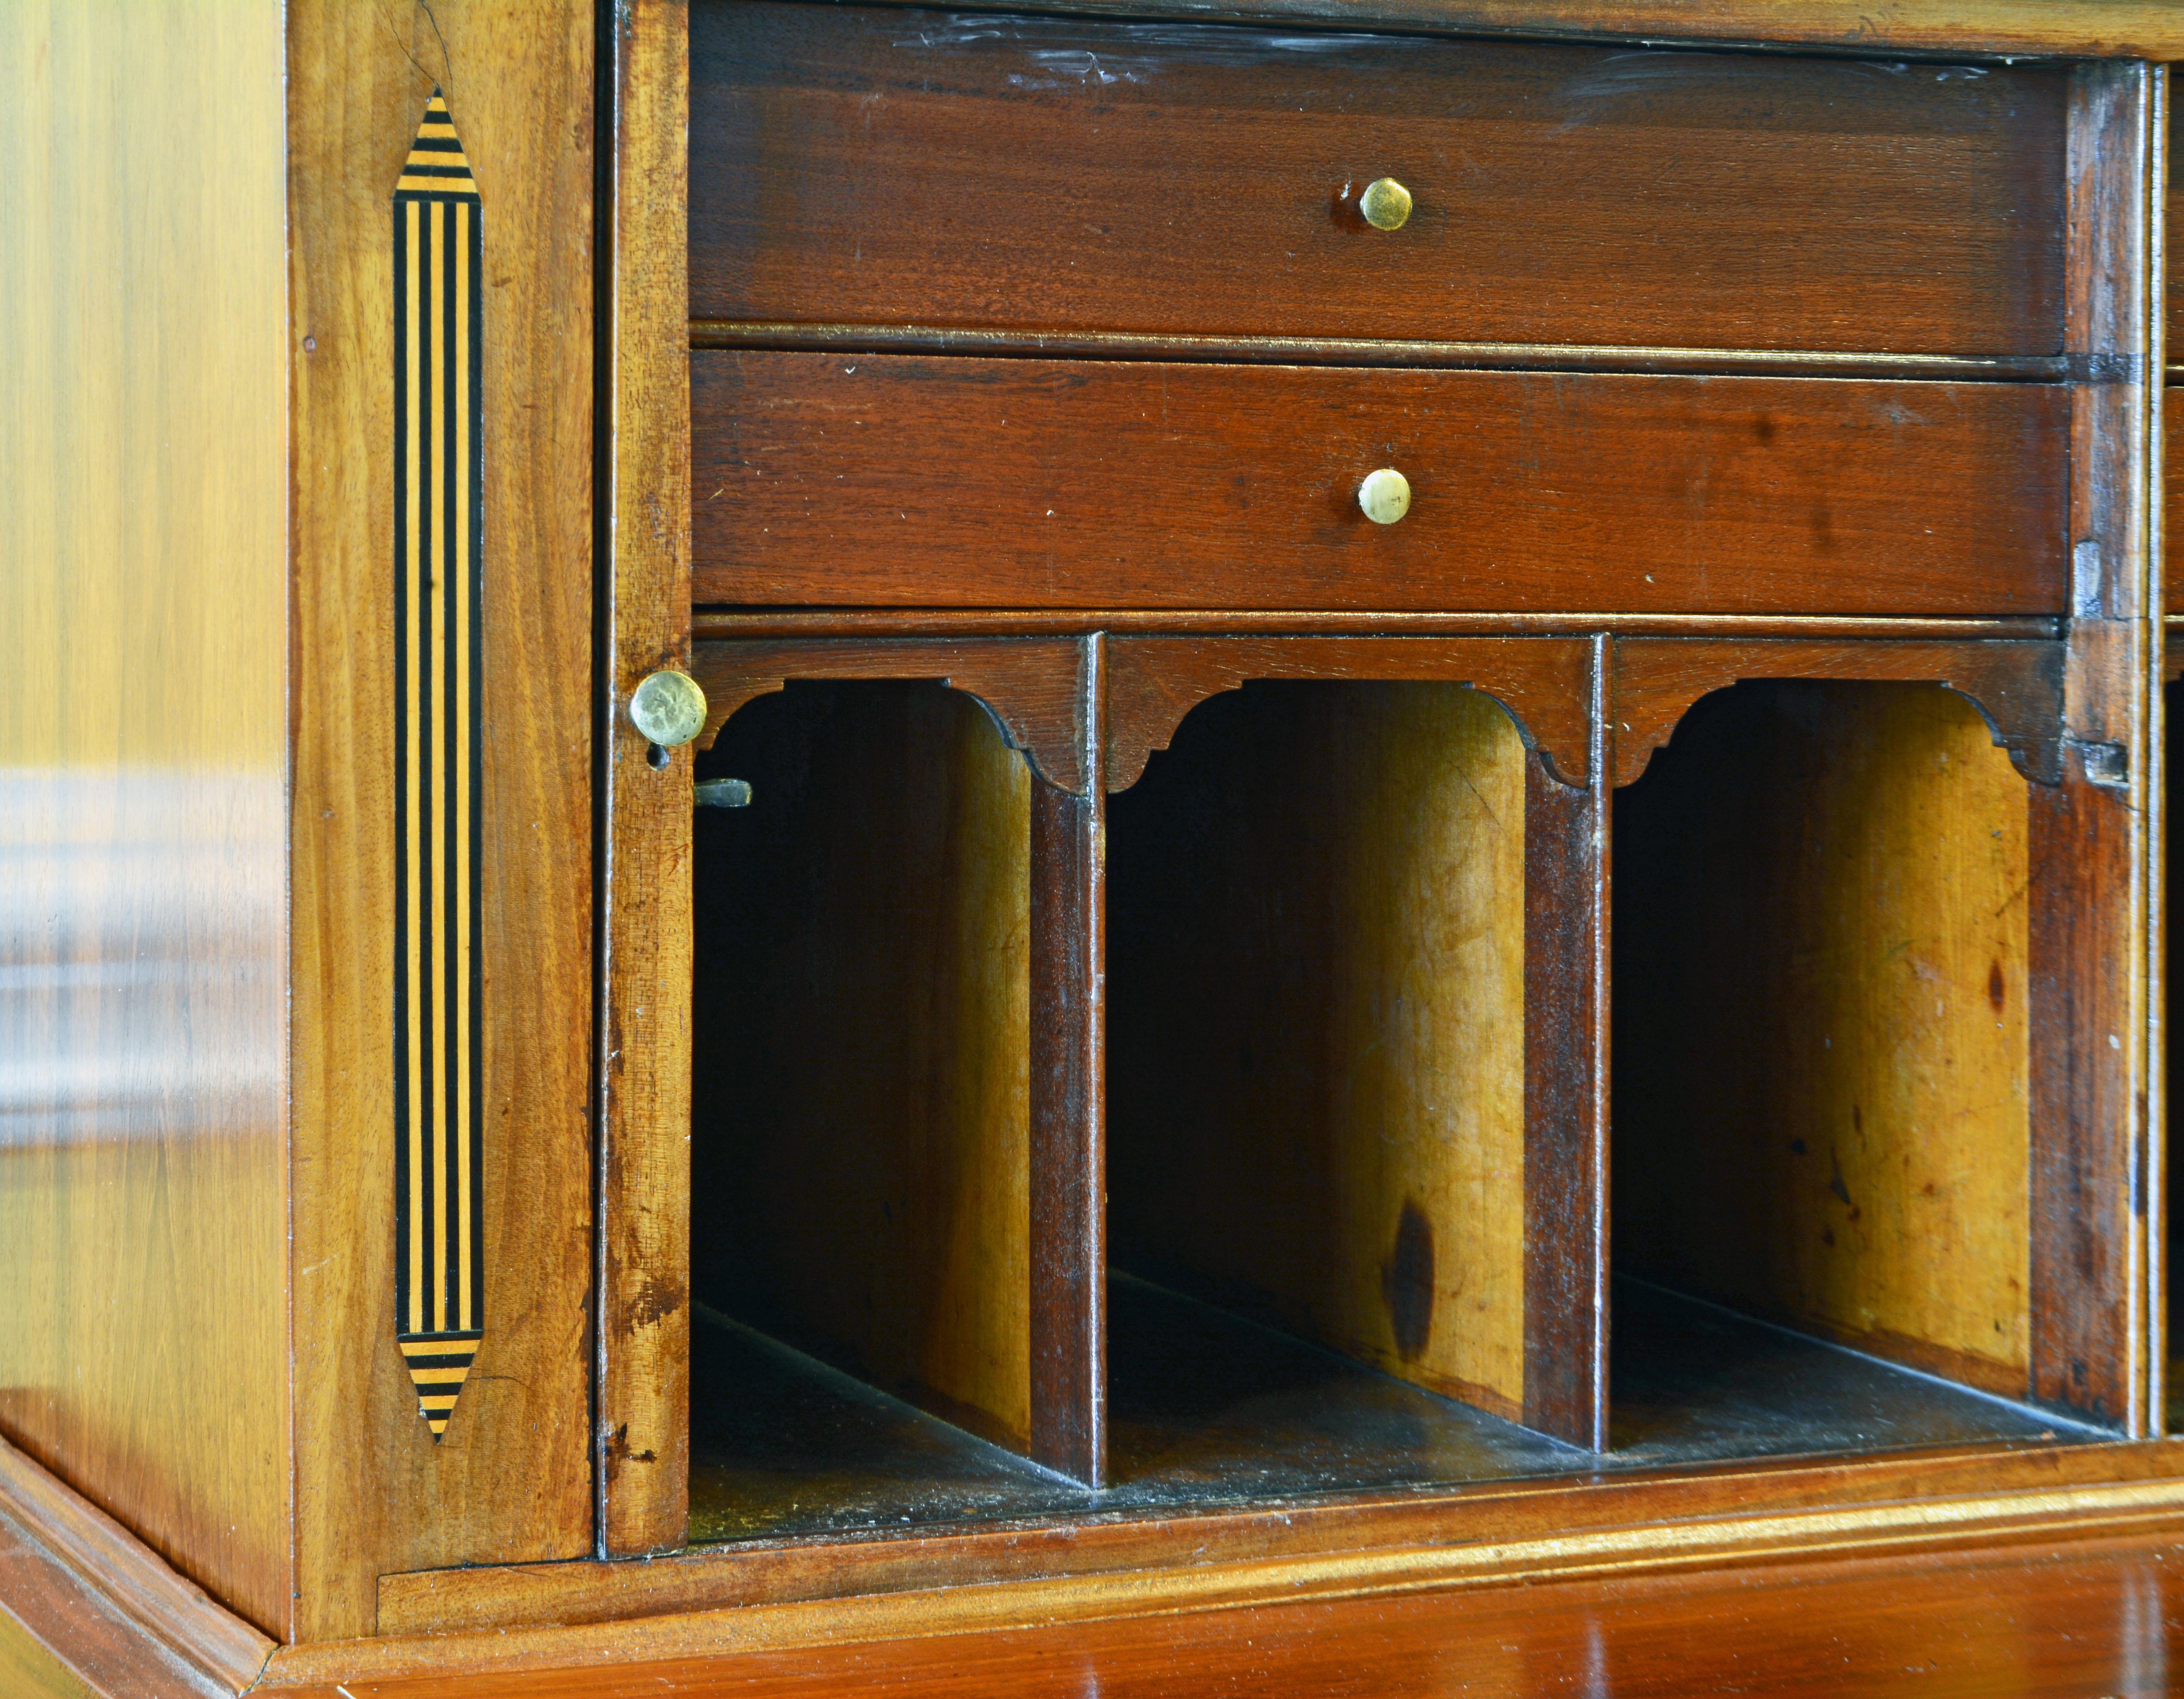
{"points": [[439, 609]]}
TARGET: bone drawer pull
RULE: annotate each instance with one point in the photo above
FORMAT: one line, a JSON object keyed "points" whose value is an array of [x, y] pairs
{"points": [[1385, 496], [668, 707]]}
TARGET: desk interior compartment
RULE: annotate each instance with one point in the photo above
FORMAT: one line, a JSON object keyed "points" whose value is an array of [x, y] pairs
{"points": [[1824, 1100], [1317, 1208], [860, 1186]]}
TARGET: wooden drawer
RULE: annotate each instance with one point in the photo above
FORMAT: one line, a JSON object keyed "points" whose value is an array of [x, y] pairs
{"points": [[909, 168], [887, 480]]}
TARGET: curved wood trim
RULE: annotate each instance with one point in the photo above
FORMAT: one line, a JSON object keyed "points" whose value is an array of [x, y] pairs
{"points": [[1154, 682], [1029, 685], [2017, 686]]}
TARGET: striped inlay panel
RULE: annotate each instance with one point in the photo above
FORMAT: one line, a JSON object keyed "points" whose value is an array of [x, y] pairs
{"points": [[439, 524]]}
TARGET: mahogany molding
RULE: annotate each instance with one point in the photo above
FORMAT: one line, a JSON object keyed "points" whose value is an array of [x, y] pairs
{"points": [[2035, 1618], [2016, 685], [1028, 685], [714, 624], [1153, 682], [1953, 28], [1346, 1562], [103, 1604], [1501, 1530]]}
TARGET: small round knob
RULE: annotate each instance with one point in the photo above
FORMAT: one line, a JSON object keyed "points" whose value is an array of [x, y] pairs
{"points": [[668, 709], [1386, 204], [1385, 496]]}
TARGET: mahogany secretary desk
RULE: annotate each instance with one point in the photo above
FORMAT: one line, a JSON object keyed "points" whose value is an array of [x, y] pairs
{"points": [[836, 821]]}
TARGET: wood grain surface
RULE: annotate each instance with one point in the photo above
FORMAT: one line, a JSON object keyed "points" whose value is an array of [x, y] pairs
{"points": [[888, 167], [2016, 685], [1068, 1056], [2094, 837], [1031, 686], [718, 623], [2086, 29], [643, 562], [1315, 986], [2172, 472], [1037, 483], [1821, 1093], [1155, 681], [512, 1480], [1568, 1000], [85, 1607], [2052, 1620], [1508, 1530], [144, 431], [860, 1110]]}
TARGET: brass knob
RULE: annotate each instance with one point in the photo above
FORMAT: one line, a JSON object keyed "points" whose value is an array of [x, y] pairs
{"points": [[1385, 496], [668, 709], [1386, 204]]}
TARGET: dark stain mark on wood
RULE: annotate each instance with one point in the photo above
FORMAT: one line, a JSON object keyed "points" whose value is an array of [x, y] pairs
{"points": [[1406, 1282]]}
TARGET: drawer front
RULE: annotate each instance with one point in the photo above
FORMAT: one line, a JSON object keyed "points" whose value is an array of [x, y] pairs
{"points": [[905, 480], [921, 168]]}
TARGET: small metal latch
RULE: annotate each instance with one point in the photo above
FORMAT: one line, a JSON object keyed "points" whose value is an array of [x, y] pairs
{"points": [[721, 793], [2106, 764]]}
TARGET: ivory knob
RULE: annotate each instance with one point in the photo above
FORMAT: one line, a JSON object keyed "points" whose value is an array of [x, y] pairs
{"points": [[1385, 496], [668, 709], [1386, 204]]}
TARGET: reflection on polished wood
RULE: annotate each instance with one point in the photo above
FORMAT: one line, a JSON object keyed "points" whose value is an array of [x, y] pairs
{"points": [[2038, 1621], [143, 493]]}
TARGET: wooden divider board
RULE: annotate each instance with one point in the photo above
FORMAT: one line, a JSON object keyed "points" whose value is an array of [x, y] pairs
{"points": [[1822, 1101], [1315, 986], [861, 1095]]}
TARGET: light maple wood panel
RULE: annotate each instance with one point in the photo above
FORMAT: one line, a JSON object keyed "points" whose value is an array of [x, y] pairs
{"points": [[861, 1103], [1315, 1042], [1820, 1077], [143, 485], [512, 1480]]}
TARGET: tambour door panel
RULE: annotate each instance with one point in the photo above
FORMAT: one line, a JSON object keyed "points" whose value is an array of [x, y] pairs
{"points": [[904, 167], [877, 480]]}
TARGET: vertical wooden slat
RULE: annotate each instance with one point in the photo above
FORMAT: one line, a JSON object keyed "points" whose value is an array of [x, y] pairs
{"points": [[2090, 841], [1566, 850], [2156, 1185], [644, 1327], [1068, 1111]]}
